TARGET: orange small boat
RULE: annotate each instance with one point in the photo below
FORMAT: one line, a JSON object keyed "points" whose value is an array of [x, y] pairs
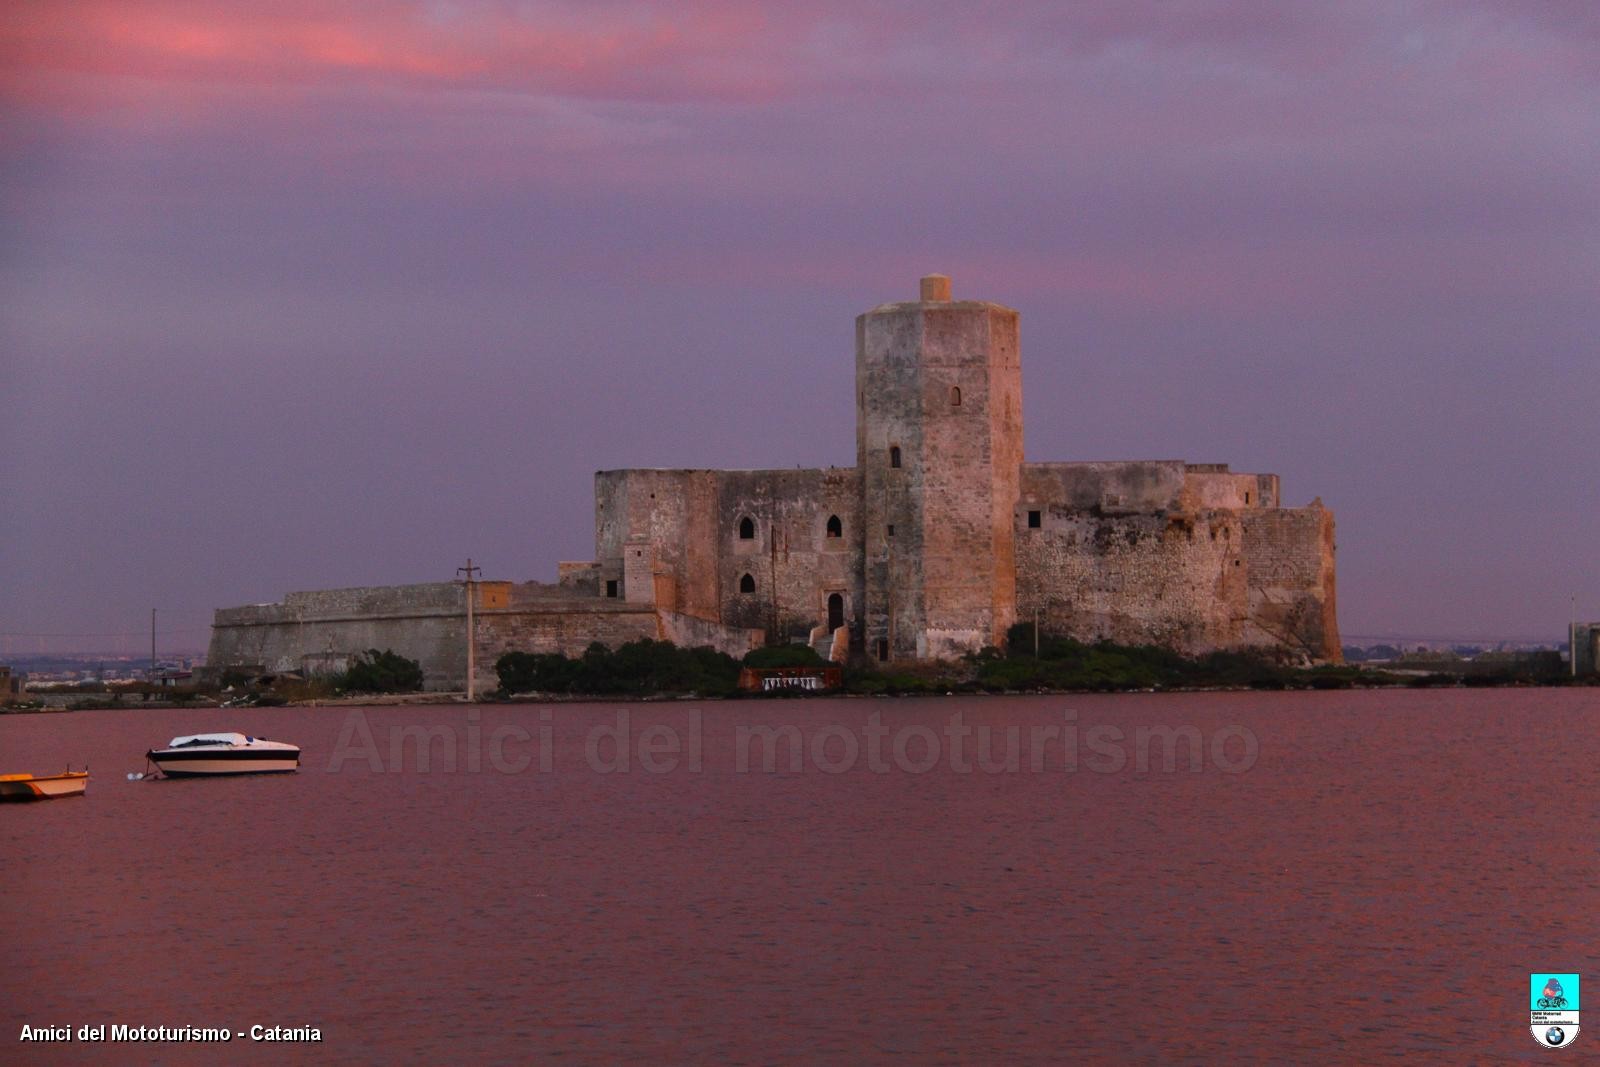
{"points": [[43, 786]]}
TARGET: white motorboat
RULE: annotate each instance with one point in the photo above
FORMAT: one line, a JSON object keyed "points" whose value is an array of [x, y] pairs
{"points": [[207, 754]]}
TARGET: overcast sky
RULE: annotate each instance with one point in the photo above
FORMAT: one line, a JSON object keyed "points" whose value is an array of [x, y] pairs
{"points": [[301, 294]]}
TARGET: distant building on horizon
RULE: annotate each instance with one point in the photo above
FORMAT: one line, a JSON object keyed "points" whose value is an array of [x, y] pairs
{"points": [[1584, 647], [13, 686], [935, 544]]}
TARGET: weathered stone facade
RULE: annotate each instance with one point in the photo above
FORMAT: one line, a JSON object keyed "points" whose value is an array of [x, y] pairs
{"points": [[939, 539]]}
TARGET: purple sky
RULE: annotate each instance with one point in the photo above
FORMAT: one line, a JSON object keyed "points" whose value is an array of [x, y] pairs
{"points": [[295, 299]]}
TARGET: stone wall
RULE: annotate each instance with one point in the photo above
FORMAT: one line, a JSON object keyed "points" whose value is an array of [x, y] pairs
{"points": [[690, 527], [426, 623], [1136, 578], [792, 562], [686, 631], [1288, 555], [1123, 552]]}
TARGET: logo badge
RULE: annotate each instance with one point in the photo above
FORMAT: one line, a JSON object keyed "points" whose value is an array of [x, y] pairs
{"points": [[1553, 1008]]}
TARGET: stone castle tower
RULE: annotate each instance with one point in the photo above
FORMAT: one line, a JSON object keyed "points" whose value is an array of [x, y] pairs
{"points": [[939, 451]]}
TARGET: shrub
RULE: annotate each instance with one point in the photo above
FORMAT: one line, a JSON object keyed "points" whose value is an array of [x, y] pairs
{"points": [[641, 667], [784, 656], [381, 672], [1330, 681]]}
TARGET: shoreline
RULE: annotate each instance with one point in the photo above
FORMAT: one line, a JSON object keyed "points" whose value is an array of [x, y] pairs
{"points": [[447, 697]]}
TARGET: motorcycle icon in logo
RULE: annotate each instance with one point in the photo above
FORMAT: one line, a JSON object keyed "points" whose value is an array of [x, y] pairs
{"points": [[1553, 1008]]}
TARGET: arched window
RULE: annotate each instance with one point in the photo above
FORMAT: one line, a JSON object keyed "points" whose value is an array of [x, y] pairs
{"points": [[894, 455], [955, 396], [747, 584], [835, 527], [747, 529]]}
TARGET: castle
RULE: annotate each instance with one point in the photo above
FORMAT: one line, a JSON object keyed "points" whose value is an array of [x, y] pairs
{"points": [[938, 540]]}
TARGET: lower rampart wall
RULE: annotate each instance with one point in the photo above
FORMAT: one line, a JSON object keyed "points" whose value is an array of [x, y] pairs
{"points": [[428, 624]]}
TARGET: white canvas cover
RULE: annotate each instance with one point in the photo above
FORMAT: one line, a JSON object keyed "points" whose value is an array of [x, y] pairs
{"points": [[209, 739]]}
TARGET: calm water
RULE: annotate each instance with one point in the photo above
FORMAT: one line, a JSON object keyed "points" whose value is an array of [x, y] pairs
{"points": [[1378, 883]]}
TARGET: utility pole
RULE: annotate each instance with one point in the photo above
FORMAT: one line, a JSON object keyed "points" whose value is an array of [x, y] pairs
{"points": [[152, 644], [472, 664]]}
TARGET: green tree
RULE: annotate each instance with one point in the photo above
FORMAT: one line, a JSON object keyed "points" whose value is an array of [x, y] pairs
{"points": [[382, 672], [784, 656], [642, 666]]}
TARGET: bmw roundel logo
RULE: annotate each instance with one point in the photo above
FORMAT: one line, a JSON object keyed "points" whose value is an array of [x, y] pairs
{"points": [[1555, 1035]]}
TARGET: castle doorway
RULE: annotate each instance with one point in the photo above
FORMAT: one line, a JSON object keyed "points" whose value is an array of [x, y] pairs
{"points": [[835, 612]]}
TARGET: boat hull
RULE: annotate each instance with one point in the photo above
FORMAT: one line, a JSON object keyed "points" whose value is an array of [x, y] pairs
{"points": [[180, 764], [45, 787]]}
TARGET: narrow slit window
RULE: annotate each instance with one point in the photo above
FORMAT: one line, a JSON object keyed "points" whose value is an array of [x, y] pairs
{"points": [[890, 529], [835, 527], [883, 650], [747, 584], [1035, 520], [955, 396], [894, 456], [747, 529]]}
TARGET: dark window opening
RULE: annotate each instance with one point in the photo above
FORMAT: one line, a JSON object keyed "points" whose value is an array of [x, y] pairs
{"points": [[1247, 498], [883, 649], [747, 530], [835, 611], [611, 587], [894, 456], [955, 396], [1034, 520], [890, 529], [835, 527], [747, 584]]}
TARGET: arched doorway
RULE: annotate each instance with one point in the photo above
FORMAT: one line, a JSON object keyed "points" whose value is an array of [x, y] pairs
{"points": [[835, 611]]}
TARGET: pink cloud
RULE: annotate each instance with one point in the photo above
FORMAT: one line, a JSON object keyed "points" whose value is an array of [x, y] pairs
{"points": [[386, 43], [737, 52]]}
